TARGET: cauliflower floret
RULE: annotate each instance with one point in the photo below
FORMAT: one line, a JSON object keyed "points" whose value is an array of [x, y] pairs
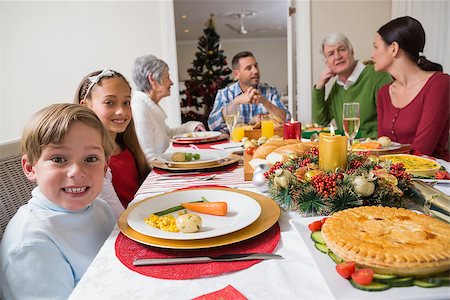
{"points": [[384, 141]]}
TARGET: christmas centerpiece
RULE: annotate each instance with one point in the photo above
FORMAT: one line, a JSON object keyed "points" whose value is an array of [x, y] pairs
{"points": [[300, 185]]}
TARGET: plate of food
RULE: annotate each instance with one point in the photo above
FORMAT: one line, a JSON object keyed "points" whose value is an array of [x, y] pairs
{"points": [[241, 211], [394, 287], [188, 157], [197, 135], [382, 144], [415, 165]]}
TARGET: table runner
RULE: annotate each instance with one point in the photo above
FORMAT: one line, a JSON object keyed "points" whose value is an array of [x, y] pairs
{"points": [[128, 250], [230, 178]]}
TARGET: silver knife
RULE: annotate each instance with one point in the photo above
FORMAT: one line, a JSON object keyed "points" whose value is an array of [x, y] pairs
{"points": [[204, 259]]}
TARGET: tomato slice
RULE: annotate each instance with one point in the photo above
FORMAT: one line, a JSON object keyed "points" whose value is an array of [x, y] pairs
{"points": [[442, 175], [323, 220], [363, 276], [250, 150], [315, 226], [346, 268]]}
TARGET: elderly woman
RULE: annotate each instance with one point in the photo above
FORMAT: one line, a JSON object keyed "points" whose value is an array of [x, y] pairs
{"points": [[414, 108], [151, 77]]}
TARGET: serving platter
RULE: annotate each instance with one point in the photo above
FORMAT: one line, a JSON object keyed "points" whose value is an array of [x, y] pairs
{"points": [[242, 211], [270, 212], [341, 288]]}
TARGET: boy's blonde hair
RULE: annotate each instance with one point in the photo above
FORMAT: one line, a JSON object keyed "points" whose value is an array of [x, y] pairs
{"points": [[51, 124]]}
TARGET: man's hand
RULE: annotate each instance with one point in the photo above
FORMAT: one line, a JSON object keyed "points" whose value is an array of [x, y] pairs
{"points": [[325, 76], [251, 96]]}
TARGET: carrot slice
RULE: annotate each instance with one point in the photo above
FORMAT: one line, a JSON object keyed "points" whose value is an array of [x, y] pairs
{"points": [[369, 145], [211, 208]]}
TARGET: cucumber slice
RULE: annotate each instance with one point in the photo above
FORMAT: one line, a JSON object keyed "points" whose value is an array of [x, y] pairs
{"points": [[321, 247], [440, 280], [425, 284], [335, 258], [402, 282], [317, 237], [372, 287], [383, 278]]}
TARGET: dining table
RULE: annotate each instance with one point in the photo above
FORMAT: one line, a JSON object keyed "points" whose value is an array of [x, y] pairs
{"points": [[299, 275]]}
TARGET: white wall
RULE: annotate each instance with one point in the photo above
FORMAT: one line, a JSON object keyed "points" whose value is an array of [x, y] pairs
{"points": [[270, 53], [46, 49]]}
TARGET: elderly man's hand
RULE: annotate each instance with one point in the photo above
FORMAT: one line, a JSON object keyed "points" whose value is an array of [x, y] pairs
{"points": [[325, 76]]}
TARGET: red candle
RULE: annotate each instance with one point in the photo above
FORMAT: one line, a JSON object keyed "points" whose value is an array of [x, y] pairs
{"points": [[292, 130]]}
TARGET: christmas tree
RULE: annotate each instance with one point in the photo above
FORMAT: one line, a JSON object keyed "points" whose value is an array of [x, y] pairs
{"points": [[209, 73]]}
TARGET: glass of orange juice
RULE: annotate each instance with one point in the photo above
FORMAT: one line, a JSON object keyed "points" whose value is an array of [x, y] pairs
{"points": [[267, 126], [237, 134]]}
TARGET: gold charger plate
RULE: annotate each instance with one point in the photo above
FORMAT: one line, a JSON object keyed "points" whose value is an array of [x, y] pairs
{"points": [[270, 212], [230, 159]]}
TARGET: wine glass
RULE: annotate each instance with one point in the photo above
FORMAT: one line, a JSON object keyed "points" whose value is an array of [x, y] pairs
{"points": [[350, 120], [231, 113]]}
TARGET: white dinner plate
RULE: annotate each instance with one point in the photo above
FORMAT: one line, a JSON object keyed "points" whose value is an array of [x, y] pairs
{"points": [[341, 288], [198, 135], [242, 211], [206, 156], [392, 146]]}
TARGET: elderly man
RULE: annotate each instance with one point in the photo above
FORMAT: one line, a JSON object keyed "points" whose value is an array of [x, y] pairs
{"points": [[254, 98], [356, 82]]}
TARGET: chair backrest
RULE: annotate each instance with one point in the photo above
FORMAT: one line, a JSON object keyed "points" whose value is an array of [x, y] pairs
{"points": [[15, 189]]}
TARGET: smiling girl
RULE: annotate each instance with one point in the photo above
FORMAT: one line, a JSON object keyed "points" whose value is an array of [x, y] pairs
{"points": [[108, 94]]}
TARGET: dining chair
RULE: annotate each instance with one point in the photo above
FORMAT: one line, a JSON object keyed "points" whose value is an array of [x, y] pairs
{"points": [[15, 188]]}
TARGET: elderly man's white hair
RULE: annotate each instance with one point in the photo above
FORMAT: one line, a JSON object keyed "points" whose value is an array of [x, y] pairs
{"points": [[333, 39]]}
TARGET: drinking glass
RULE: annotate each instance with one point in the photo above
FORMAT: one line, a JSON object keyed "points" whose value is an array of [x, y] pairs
{"points": [[231, 116], [238, 131], [350, 120], [267, 126]]}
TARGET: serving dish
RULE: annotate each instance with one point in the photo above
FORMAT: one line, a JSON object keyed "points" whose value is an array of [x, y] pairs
{"points": [[242, 211], [340, 288], [415, 165], [270, 212]]}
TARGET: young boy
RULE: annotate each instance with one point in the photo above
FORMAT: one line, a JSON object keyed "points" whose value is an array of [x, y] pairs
{"points": [[50, 242]]}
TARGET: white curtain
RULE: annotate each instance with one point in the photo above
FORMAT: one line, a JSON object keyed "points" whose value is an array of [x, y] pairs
{"points": [[435, 18]]}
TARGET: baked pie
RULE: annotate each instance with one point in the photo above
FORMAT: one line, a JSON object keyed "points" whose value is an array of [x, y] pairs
{"points": [[389, 240]]}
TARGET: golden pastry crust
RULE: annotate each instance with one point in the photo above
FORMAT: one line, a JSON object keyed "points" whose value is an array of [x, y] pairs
{"points": [[389, 240]]}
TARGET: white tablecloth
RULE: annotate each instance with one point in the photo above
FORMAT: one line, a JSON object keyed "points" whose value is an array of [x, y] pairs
{"points": [[295, 277]]}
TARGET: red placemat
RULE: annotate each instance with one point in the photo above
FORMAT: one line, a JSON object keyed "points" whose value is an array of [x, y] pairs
{"points": [[128, 250], [227, 293]]}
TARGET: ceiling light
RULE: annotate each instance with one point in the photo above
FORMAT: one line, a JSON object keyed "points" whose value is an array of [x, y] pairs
{"points": [[184, 17]]}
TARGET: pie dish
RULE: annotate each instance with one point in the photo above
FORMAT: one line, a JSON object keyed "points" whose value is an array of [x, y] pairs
{"points": [[389, 240], [415, 165]]}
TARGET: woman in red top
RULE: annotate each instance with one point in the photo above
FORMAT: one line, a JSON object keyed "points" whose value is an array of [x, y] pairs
{"points": [[108, 94], [414, 108]]}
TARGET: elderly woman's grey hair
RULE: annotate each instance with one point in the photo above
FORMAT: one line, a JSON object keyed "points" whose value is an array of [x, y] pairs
{"points": [[333, 39], [144, 66]]}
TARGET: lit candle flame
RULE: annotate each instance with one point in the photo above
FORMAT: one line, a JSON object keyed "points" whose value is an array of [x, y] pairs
{"points": [[292, 120], [332, 129]]}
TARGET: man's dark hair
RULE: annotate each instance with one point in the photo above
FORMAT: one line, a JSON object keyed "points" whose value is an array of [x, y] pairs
{"points": [[238, 56]]}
